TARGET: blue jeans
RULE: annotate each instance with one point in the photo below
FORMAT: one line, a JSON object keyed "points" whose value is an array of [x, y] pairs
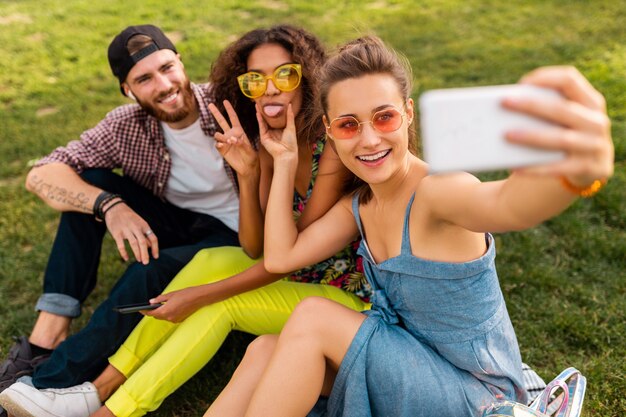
{"points": [[72, 272]]}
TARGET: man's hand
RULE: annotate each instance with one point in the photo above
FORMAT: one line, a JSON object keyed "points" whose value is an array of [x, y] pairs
{"points": [[124, 224]]}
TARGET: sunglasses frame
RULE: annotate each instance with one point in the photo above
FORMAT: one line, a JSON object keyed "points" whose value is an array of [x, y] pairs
{"points": [[360, 123], [266, 78]]}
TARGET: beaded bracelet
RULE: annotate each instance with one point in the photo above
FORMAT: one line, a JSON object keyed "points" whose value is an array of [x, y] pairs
{"points": [[585, 192]]}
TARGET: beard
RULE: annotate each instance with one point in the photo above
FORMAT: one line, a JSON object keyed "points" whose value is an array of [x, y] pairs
{"points": [[176, 116]]}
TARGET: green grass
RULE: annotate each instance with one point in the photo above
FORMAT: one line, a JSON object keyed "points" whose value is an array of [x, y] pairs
{"points": [[564, 281]]}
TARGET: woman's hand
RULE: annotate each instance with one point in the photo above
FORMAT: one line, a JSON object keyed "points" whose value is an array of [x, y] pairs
{"points": [[233, 144], [177, 305], [280, 143], [584, 131]]}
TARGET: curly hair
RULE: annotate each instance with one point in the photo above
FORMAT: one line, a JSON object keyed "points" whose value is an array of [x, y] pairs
{"points": [[305, 50]]}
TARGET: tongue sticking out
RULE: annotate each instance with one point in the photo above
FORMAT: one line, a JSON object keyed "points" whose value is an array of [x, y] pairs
{"points": [[272, 111]]}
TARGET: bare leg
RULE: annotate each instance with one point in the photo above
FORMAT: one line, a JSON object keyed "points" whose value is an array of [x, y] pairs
{"points": [[50, 330], [235, 397], [317, 335], [108, 381], [103, 412], [329, 379]]}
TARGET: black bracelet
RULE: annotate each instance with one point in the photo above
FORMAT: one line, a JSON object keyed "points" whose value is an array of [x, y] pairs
{"points": [[115, 203], [103, 203], [98, 201], [103, 198]]}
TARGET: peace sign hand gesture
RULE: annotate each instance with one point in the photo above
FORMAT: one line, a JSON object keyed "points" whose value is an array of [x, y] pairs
{"points": [[233, 144], [280, 143]]}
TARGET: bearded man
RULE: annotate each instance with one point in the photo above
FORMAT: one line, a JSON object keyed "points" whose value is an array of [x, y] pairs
{"points": [[176, 195]]}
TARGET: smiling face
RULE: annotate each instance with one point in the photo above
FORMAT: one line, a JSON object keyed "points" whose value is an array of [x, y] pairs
{"points": [[373, 156], [264, 59], [162, 88]]}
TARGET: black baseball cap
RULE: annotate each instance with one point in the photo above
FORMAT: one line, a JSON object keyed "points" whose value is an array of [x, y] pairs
{"points": [[121, 61]]}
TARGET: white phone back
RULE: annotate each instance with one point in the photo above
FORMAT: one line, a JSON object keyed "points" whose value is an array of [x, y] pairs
{"points": [[463, 129]]}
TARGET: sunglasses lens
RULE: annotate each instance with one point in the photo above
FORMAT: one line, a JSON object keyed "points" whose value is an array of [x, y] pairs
{"points": [[388, 120], [344, 127], [252, 84], [285, 78], [384, 121]]}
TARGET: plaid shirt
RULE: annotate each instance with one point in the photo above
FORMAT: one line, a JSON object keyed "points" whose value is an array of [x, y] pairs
{"points": [[131, 139]]}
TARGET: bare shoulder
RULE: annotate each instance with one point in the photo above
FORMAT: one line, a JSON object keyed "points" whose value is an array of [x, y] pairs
{"points": [[443, 194], [346, 203], [440, 185]]}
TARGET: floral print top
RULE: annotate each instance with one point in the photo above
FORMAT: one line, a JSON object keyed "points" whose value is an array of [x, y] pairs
{"points": [[343, 270]]}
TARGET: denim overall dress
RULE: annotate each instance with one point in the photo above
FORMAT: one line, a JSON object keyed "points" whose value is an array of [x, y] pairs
{"points": [[438, 341]]}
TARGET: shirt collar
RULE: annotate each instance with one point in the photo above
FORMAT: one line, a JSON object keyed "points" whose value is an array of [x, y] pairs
{"points": [[207, 123]]}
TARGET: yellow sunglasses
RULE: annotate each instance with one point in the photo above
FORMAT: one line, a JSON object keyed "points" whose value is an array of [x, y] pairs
{"points": [[286, 78]]}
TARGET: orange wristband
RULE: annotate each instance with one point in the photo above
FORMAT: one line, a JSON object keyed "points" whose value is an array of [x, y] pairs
{"points": [[584, 192]]}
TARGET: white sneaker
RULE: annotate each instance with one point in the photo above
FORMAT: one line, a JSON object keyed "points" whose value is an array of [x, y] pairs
{"points": [[22, 400]]}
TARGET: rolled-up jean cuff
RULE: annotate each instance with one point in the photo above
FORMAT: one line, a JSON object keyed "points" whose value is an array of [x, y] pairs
{"points": [[59, 304]]}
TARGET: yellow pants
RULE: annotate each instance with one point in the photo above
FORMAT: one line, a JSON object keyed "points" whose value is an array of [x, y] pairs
{"points": [[159, 356]]}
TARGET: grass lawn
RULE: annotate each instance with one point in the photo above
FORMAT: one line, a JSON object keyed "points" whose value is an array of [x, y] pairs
{"points": [[564, 281]]}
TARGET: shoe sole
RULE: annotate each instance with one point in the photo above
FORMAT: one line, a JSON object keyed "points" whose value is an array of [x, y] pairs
{"points": [[16, 410]]}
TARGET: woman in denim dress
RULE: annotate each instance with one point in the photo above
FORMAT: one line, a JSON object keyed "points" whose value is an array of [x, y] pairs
{"points": [[438, 340]]}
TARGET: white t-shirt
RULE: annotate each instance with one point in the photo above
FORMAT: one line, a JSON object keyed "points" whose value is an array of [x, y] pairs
{"points": [[198, 180]]}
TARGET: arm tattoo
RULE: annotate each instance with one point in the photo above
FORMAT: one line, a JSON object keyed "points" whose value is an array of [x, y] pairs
{"points": [[51, 192]]}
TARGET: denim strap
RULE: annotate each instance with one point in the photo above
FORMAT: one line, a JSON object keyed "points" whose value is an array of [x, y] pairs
{"points": [[406, 236], [355, 211]]}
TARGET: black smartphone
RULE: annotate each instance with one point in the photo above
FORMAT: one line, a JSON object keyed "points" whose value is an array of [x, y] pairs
{"points": [[133, 308]]}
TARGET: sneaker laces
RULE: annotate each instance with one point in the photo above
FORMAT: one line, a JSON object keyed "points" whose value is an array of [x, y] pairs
{"points": [[76, 388], [15, 366]]}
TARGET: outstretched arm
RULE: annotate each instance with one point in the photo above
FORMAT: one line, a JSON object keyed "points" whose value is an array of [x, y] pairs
{"points": [[532, 195]]}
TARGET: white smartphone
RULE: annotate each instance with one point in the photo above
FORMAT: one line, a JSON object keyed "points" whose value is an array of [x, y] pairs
{"points": [[463, 129]]}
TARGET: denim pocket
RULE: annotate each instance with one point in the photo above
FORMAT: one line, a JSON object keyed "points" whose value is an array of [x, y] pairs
{"points": [[467, 355], [493, 351]]}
